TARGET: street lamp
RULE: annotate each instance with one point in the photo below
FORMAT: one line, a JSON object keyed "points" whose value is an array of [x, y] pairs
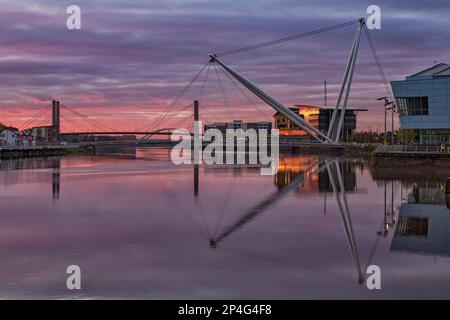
{"points": [[392, 107], [386, 104]]}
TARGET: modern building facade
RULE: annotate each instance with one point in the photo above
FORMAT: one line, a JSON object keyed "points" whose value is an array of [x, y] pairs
{"points": [[318, 116], [423, 103]]}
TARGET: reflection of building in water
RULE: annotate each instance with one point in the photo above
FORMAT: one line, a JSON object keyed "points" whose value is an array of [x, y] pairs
{"points": [[348, 175], [290, 167], [424, 223]]}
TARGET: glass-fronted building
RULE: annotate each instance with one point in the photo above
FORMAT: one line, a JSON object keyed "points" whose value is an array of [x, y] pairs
{"points": [[423, 103]]}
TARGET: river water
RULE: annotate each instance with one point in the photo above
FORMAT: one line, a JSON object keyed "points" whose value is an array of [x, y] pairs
{"points": [[138, 227]]}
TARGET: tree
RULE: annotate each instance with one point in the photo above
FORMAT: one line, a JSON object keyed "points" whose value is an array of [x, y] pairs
{"points": [[406, 135]]}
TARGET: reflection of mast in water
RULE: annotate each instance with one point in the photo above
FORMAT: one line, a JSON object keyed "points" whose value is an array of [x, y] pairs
{"points": [[447, 192], [341, 199], [334, 173], [262, 206], [196, 173], [389, 219], [56, 178]]}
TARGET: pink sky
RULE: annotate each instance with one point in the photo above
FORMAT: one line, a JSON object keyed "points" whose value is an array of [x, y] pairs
{"points": [[131, 58]]}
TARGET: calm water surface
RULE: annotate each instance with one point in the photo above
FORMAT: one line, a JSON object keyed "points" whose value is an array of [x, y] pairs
{"points": [[138, 228]]}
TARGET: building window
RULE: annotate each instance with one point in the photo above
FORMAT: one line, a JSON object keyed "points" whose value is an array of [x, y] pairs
{"points": [[263, 126], [413, 106], [412, 226]]}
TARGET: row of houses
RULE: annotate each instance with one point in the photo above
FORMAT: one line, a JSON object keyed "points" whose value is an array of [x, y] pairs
{"points": [[12, 137]]}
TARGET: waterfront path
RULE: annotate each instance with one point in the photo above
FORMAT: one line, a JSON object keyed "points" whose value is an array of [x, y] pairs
{"points": [[411, 150]]}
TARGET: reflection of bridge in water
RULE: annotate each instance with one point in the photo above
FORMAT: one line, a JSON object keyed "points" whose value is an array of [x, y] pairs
{"points": [[421, 227], [333, 175], [53, 163]]}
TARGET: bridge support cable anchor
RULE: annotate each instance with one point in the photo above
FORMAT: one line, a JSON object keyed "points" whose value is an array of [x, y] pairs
{"points": [[296, 119]]}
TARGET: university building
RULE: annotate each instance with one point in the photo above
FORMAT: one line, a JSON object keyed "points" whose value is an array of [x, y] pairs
{"points": [[318, 116], [423, 103]]}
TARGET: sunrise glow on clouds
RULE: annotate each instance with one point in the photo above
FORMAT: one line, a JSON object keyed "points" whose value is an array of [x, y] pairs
{"points": [[131, 58]]}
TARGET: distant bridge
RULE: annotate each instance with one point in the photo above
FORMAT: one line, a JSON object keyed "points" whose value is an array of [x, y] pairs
{"points": [[98, 133], [146, 134]]}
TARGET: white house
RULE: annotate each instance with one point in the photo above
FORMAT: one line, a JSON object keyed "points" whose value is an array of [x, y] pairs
{"points": [[8, 137]]}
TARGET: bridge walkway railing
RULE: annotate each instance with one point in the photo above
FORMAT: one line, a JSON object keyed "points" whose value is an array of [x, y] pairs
{"points": [[413, 149]]}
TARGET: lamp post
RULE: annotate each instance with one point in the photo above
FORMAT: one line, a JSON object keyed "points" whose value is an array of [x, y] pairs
{"points": [[392, 107], [386, 104]]}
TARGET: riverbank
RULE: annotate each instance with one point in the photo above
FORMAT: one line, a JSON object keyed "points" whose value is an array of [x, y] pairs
{"points": [[42, 151], [377, 154]]}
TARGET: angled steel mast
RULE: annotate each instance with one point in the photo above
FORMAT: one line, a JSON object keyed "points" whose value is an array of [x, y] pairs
{"points": [[337, 119], [288, 113], [334, 132]]}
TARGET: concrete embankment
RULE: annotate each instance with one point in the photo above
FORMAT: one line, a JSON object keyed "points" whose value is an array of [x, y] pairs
{"points": [[410, 156], [410, 162], [350, 149], [313, 148]]}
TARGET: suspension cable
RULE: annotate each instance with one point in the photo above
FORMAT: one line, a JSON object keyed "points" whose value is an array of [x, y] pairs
{"points": [[297, 36], [177, 98], [37, 115], [212, 115], [45, 120], [378, 63], [74, 124], [242, 91], [93, 122], [203, 88], [225, 99], [202, 94]]}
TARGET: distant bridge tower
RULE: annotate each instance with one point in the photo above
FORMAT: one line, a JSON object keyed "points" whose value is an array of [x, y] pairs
{"points": [[55, 137]]}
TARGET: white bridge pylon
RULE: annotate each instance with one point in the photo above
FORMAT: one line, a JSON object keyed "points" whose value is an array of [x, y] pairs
{"points": [[335, 129]]}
